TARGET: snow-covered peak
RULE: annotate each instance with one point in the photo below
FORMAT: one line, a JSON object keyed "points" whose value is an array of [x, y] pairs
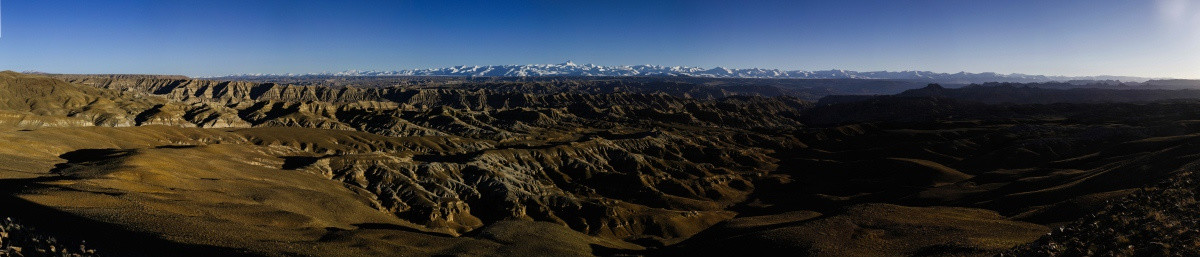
{"points": [[569, 68]]}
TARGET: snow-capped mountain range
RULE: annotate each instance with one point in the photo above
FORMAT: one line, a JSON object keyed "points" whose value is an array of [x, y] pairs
{"points": [[571, 69]]}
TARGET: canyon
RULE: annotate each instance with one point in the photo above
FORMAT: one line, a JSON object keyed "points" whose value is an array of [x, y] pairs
{"points": [[146, 165]]}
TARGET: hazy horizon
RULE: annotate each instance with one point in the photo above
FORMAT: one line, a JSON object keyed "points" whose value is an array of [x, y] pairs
{"points": [[1153, 39]]}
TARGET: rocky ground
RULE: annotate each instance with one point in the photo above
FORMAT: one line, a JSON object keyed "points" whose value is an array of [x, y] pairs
{"points": [[1159, 220], [18, 240]]}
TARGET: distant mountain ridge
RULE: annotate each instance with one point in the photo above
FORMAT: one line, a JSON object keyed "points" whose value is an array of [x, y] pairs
{"points": [[571, 69]]}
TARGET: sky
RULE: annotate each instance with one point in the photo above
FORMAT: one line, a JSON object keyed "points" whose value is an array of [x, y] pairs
{"points": [[1150, 38]]}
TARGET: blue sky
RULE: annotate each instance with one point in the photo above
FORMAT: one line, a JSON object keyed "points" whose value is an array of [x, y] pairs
{"points": [[1156, 38]]}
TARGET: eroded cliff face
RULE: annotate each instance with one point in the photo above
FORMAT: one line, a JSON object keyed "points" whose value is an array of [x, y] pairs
{"points": [[554, 155], [468, 110], [668, 189], [647, 168]]}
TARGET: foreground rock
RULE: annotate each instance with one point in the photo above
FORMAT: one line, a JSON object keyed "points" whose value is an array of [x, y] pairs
{"points": [[20, 240], [1155, 221]]}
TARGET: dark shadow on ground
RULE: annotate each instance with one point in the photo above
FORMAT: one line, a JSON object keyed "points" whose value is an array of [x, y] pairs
{"points": [[108, 239]]}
